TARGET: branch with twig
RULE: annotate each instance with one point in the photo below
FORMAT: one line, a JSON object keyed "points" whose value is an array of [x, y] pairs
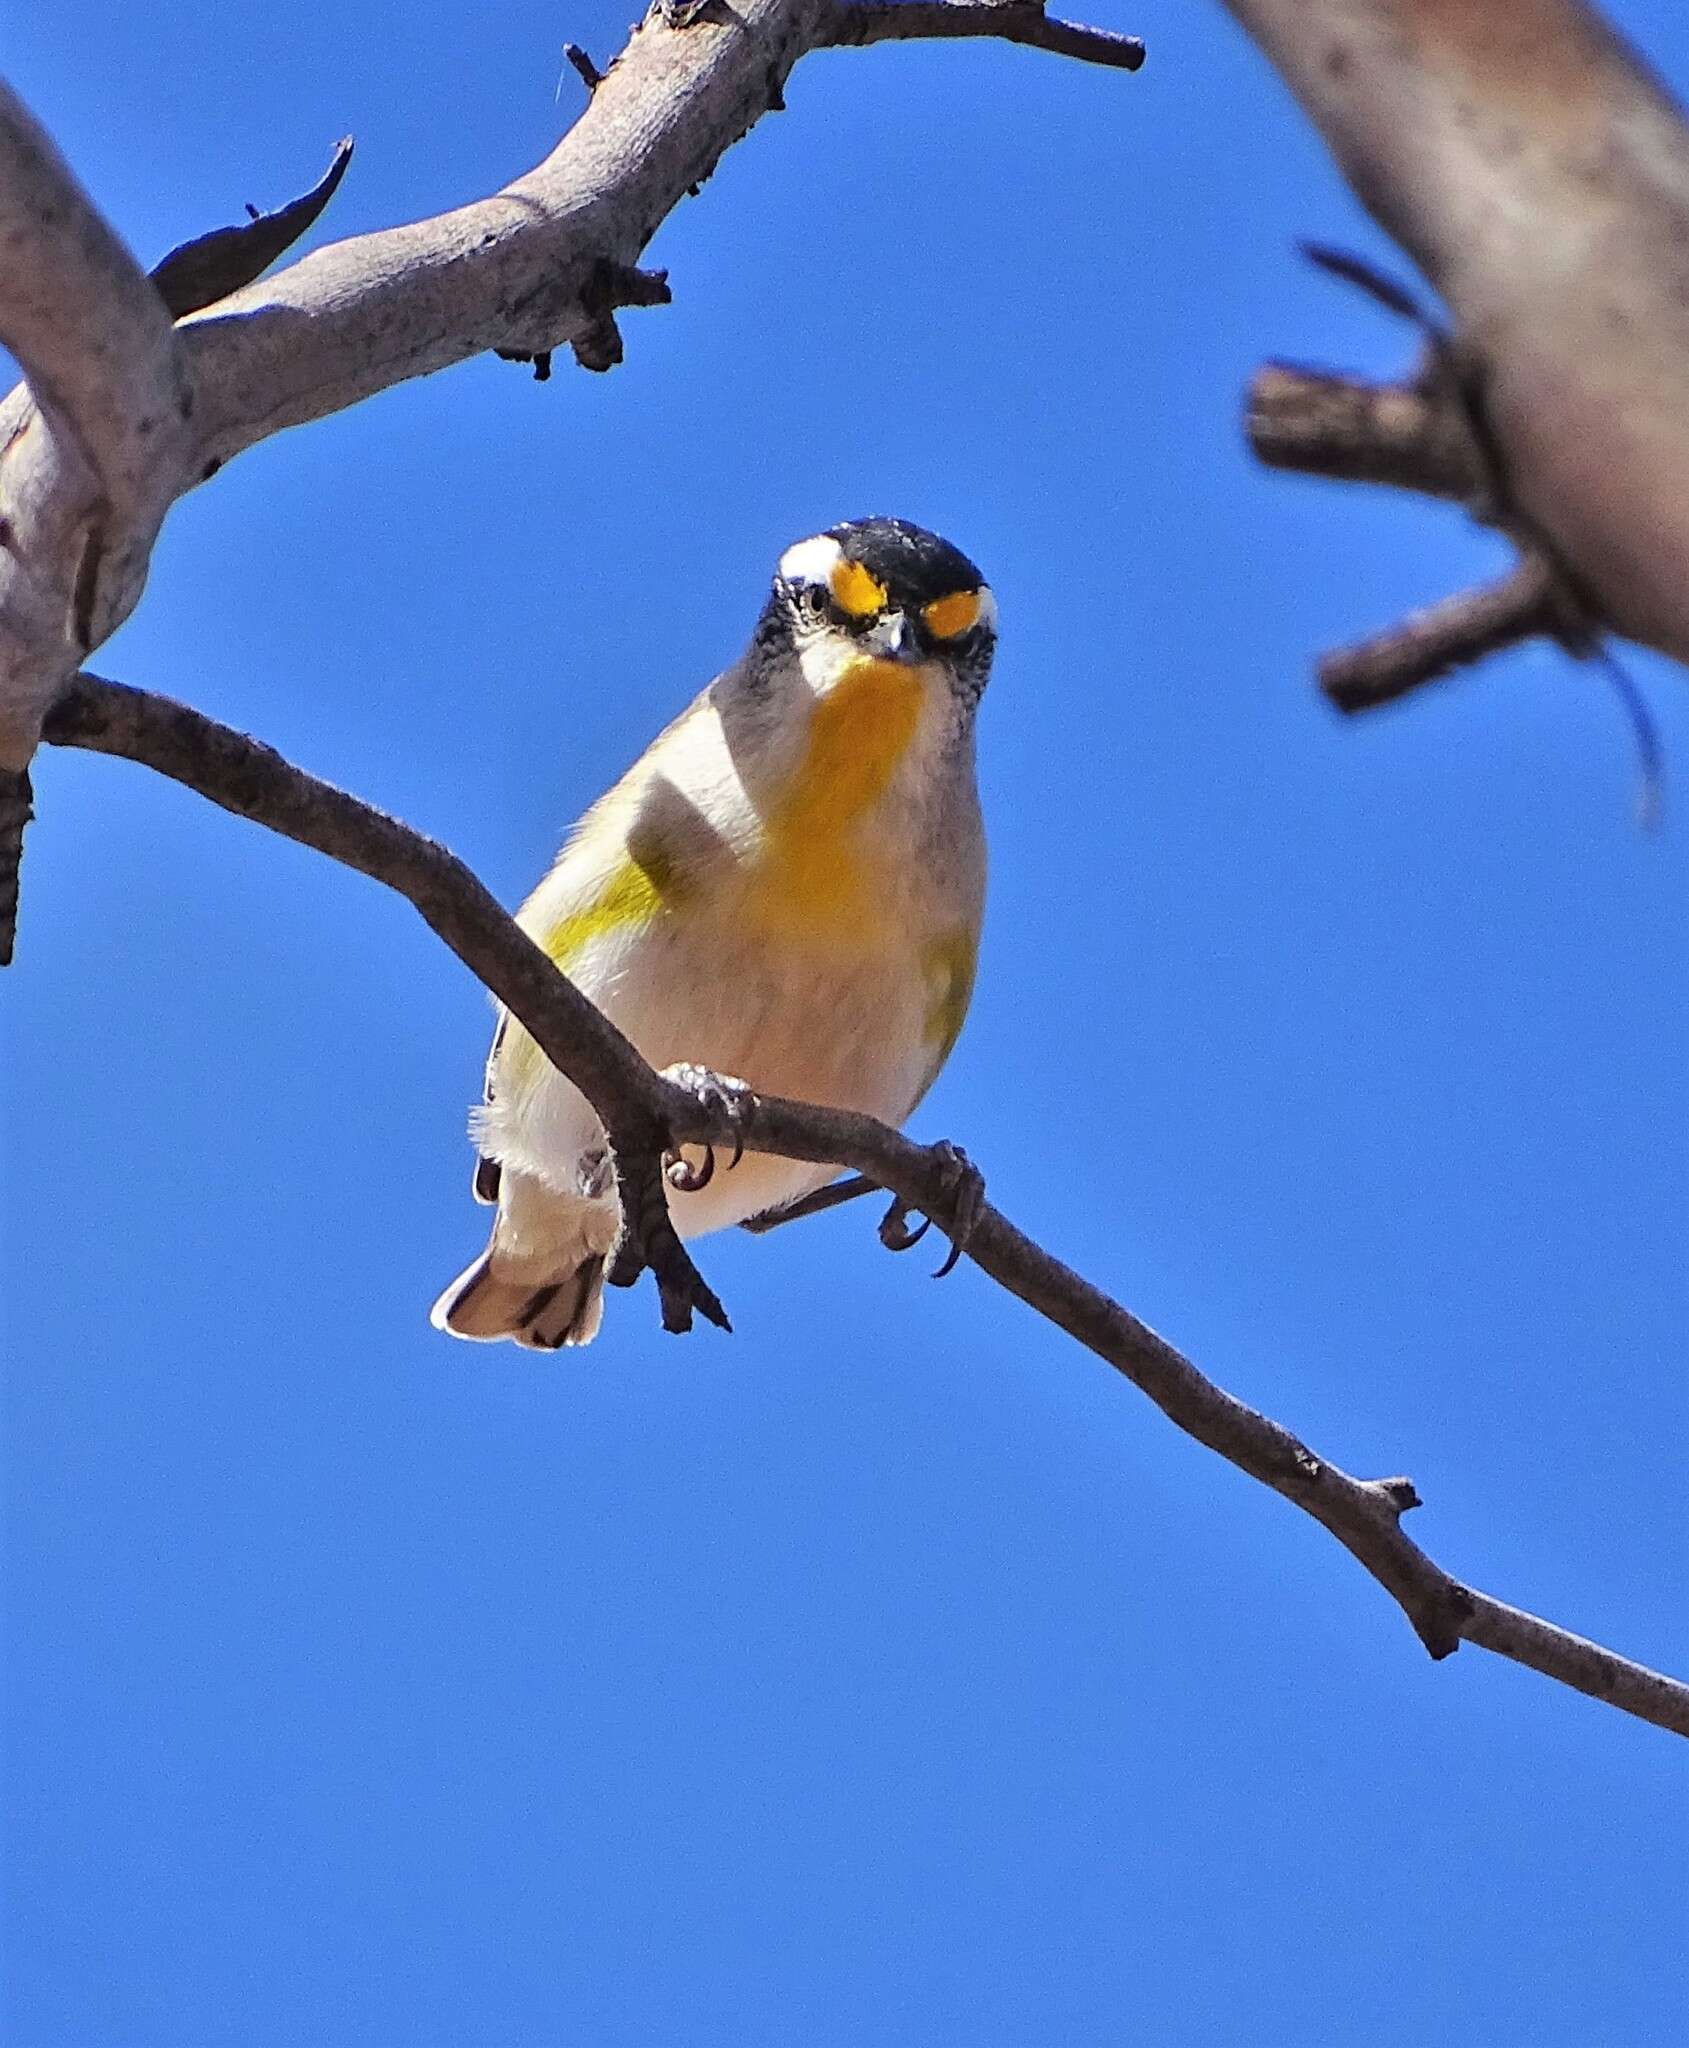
{"points": [[1536, 171], [647, 1114], [120, 415], [1008, 21], [1423, 436], [1430, 435]]}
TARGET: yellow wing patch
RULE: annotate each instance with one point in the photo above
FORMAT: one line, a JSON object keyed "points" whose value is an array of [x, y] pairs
{"points": [[946, 618], [855, 592], [948, 964], [631, 896], [645, 881]]}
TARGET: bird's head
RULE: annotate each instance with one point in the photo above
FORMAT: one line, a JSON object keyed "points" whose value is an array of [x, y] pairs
{"points": [[883, 591]]}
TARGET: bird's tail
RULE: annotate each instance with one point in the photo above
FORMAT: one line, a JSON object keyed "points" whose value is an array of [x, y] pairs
{"points": [[486, 1302], [540, 1281]]}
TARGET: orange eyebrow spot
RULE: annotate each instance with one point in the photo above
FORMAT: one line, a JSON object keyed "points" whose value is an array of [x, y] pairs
{"points": [[946, 617], [856, 592]]}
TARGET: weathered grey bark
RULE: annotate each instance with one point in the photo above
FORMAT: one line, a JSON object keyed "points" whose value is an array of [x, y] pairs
{"points": [[92, 446], [119, 415], [1539, 176]]}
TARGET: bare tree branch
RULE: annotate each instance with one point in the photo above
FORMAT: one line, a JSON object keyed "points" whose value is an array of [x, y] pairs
{"points": [[645, 1113], [1420, 436], [1432, 643], [131, 417], [1403, 435], [1539, 175], [90, 447], [1010, 21]]}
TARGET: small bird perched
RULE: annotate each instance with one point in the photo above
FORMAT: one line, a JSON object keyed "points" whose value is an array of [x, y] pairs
{"points": [[786, 886]]}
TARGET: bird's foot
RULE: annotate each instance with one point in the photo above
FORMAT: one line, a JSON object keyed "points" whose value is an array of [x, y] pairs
{"points": [[723, 1095], [956, 1213], [648, 1239]]}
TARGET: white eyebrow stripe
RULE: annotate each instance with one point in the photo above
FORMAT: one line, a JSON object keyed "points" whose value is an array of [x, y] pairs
{"points": [[812, 560]]}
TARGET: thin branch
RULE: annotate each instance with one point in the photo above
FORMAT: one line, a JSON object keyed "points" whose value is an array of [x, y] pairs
{"points": [[253, 781], [1425, 436], [1009, 21], [1429, 644], [199, 273], [1644, 732], [1404, 435], [644, 1113]]}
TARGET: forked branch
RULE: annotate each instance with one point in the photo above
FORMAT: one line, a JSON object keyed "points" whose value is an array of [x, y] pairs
{"points": [[1537, 173], [120, 416], [645, 1114]]}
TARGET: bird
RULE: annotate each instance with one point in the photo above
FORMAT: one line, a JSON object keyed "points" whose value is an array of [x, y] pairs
{"points": [[785, 889]]}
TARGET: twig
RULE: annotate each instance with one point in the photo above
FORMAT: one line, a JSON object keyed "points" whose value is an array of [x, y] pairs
{"points": [[585, 69], [1009, 21], [1454, 634], [645, 1114], [211, 266], [1650, 755], [1423, 436], [1378, 285], [1358, 432], [1536, 173], [1431, 435]]}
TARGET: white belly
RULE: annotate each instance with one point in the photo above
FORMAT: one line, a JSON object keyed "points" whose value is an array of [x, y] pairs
{"points": [[845, 1029]]}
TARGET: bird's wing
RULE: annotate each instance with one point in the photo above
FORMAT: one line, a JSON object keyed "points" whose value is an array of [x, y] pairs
{"points": [[645, 844]]}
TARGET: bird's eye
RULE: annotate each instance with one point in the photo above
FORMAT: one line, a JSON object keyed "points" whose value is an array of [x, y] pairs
{"points": [[813, 600]]}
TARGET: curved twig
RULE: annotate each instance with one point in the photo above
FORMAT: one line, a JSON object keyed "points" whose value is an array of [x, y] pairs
{"points": [[647, 1115]]}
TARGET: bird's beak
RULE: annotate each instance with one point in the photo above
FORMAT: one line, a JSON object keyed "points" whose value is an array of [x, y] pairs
{"points": [[892, 638]]}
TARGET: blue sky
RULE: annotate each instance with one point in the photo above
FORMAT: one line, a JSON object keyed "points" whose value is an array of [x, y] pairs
{"points": [[888, 1673]]}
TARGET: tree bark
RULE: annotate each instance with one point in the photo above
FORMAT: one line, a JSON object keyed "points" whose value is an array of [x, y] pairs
{"points": [[1538, 174]]}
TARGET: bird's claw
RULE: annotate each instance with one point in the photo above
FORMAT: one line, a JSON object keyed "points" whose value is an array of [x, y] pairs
{"points": [[683, 1176], [964, 1189], [895, 1233], [726, 1096]]}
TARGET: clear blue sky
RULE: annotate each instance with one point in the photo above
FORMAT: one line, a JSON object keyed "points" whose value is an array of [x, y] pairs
{"points": [[890, 1672]]}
